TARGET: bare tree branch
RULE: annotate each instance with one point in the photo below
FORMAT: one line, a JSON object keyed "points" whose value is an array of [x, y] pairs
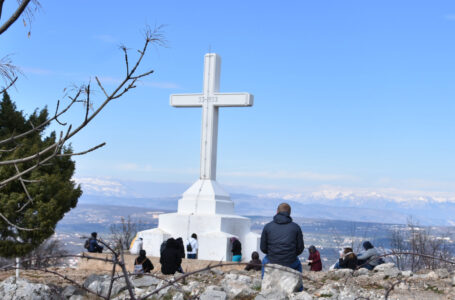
{"points": [[14, 16]]}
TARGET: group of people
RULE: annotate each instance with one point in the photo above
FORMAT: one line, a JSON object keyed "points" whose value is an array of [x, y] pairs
{"points": [[367, 259], [171, 253], [281, 242]]}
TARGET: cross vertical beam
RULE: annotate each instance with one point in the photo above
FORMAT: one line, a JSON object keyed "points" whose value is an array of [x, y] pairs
{"points": [[210, 100]]}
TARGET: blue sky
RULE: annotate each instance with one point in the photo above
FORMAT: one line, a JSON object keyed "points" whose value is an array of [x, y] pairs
{"points": [[348, 94]]}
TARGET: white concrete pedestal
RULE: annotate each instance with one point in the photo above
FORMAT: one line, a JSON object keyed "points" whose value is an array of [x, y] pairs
{"points": [[207, 210]]}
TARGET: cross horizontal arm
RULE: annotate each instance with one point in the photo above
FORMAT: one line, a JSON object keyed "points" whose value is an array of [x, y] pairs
{"points": [[233, 99], [187, 100]]}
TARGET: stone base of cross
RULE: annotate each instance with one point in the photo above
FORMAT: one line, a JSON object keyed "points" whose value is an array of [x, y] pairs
{"points": [[205, 208]]}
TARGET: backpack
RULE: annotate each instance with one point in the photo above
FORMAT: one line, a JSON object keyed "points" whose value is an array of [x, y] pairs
{"points": [[189, 248], [87, 244]]}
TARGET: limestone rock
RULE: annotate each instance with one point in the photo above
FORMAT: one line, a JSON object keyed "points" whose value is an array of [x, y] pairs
{"points": [[340, 273], [236, 287], [144, 281], [300, 296], [217, 271], [93, 277], [382, 267], [213, 295], [406, 273], [70, 291], [442, 273], [327, 292], [256, 283], [214, 288], [272, 295], [361, 271], [20, 289], [281, 278], [178, 296], [101, 286], [431, 275]]}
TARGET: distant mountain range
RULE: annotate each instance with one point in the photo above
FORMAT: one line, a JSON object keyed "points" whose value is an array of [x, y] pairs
{"points": [[338, 206]]}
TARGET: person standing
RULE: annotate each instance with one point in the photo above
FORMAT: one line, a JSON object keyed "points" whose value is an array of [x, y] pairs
{"points": [[282, 240], [314, 260], [192, 247], [170, 259], [236, 249]]}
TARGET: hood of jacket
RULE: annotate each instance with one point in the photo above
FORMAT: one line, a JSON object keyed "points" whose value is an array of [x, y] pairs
{"points": [[282, 218]]}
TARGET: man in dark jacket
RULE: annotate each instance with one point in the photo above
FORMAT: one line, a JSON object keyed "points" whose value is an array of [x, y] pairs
{"points": [[94, 247], [282, 240]]}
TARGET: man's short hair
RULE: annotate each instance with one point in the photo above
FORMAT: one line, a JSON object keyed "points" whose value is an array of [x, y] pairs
{"points": [[194, 236], [284, 207]]}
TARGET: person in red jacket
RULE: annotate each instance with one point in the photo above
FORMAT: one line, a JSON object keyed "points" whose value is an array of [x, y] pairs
{"points": [[314, 260]]}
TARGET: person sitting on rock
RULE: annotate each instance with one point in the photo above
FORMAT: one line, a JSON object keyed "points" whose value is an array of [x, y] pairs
{"points": [[314, 260], [369, 258], [93, 246], [348, 260], [170, 259], [236, 249], [282, 240], [255, 263], [142, 264]]}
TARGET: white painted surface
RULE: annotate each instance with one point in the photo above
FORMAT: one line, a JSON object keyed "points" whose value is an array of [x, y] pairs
{"points": [[210, 100], [205, 208]]}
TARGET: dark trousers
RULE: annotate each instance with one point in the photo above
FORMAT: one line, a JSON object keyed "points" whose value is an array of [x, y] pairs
{"points": [[191, 256]]}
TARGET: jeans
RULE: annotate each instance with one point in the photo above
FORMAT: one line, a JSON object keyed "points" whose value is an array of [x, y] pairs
{"points": [[296, 265], [191, 256]]}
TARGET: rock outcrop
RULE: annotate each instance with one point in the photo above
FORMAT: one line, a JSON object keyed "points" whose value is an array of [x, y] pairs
{"points": [[278, 283]]}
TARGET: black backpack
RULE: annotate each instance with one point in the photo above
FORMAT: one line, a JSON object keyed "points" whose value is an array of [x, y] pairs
{"points": [[87, 244], [189, 248]]}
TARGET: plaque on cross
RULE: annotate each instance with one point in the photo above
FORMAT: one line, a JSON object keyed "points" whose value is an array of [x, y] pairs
{"points": [[210, 100]]}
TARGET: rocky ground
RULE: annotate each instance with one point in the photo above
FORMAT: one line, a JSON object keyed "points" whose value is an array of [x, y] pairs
{"points": [[385, 282]]}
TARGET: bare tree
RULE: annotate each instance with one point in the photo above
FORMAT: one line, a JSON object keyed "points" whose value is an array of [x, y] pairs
{"points": [[46, 255], [421, 241], [83, 94], [124, 232]]}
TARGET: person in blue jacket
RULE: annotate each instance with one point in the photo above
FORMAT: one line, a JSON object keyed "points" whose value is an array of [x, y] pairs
{"points": [[282, 240]]}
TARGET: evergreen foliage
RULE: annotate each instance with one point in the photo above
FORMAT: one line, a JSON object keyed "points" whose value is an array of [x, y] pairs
{"points": [[53, 195]]}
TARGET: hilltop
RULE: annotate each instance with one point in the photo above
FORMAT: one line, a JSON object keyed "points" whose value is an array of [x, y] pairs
{"points": [[385, 282]]}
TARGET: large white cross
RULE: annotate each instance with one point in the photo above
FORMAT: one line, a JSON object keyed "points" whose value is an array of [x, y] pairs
{"points": [[210, 100]]}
